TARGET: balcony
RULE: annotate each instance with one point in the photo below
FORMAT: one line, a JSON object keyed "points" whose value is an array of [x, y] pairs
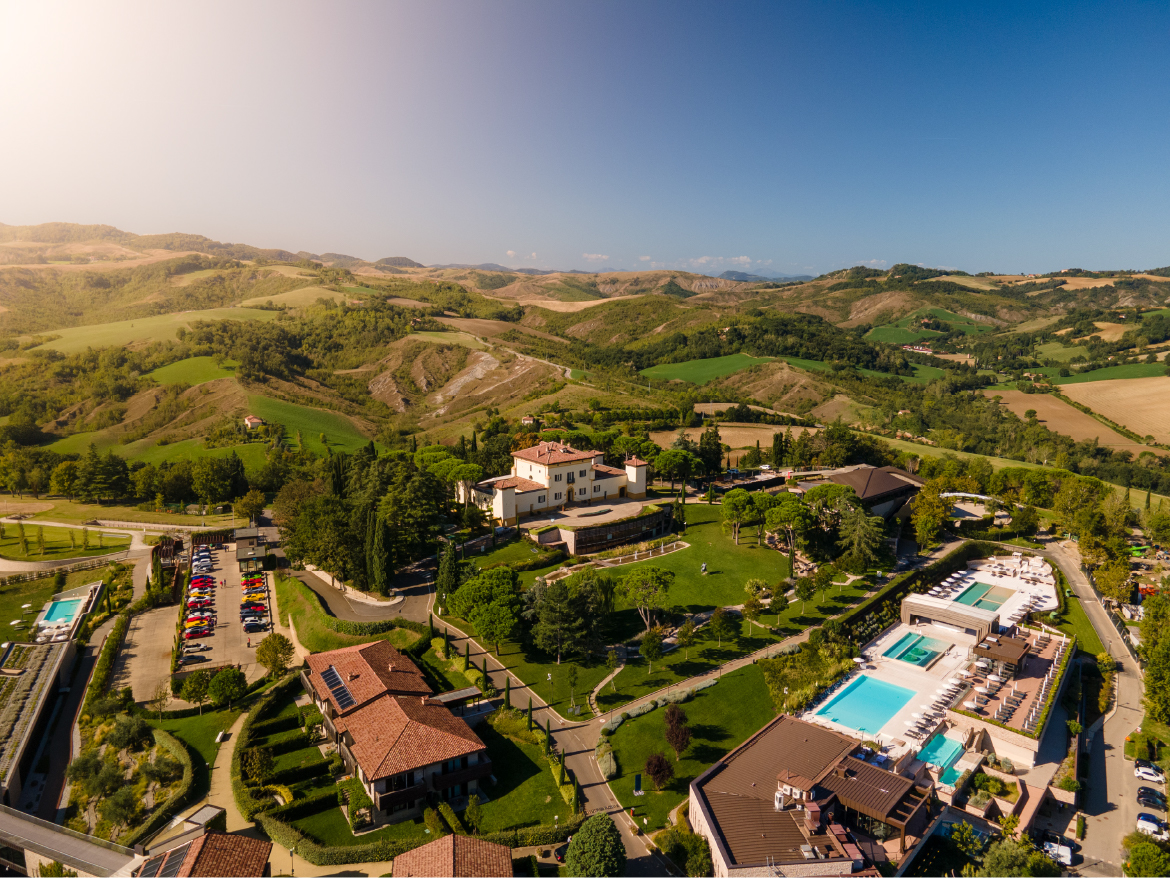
{"points": [[472, 772], [386, 801]]}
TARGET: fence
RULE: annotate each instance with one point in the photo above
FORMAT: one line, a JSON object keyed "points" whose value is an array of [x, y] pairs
{"points": [[92, 563]]}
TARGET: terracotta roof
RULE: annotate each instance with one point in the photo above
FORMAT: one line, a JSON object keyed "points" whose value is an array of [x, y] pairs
{"points": [[368, 670], [220, 854], [603, 471], [392, 735], [636, 461], [521, 485], [455, 856], [553, 452]]}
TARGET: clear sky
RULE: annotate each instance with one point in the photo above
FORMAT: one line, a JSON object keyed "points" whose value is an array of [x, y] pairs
{"points": [[784, 137]]}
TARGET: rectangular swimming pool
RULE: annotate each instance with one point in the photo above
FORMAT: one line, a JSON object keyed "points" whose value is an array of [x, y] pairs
{"points": [[917, 649], [62, 611], [866, 704], [985, 597], [941, 751]]}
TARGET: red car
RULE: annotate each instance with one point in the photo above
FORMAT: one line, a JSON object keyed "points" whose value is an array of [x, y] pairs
{"points": [[200, 605], [249, 579], [192, 633], [253, 608]]}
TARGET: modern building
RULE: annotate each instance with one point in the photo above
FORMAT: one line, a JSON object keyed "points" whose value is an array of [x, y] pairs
{"points": [[407, 747], [552, 475], [885, 491], [799, 799], [455, 856]]}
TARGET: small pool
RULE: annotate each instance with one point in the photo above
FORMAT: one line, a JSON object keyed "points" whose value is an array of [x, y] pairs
{"points": [[866, 704], [941, 751], [950, 777], [985, 597], [917, 649], [62, 611]]}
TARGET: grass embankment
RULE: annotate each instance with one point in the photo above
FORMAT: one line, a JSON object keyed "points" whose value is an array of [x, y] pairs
{"points": [[298, 601], [58, 544], [721, 718]]}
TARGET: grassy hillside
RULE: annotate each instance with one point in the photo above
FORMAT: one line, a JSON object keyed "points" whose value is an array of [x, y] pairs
{"points": [[703, 371], [194, 371], [144, 330], [339, 431]]}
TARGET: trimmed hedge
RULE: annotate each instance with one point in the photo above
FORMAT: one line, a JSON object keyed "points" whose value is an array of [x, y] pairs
{"points": [[452, 818], [104, 668], [179, 798], [249, 804], [279, 789]]}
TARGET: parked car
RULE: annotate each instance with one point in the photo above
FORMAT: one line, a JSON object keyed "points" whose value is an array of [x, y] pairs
{"points": [[195, 647], [1149, 798], [1061, 853], [192, 633], [1060, 839], [255, 627], [1152, 826], [201, 594], [201, 614], [255, 593], [197, 623], [192, 659], [1149, 771], [200, 604], [253, 610]]}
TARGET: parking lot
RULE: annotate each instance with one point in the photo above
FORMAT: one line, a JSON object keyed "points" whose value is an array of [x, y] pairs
{"points": [[145, 659]]}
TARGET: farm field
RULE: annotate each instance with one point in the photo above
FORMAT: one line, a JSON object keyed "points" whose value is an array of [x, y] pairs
{"points": [[1111, 331], [299, 298], [908, 330], [1138, 404], [734, 435], [149, 451], [143, 330], [1063, 418], [1055, 350], [459, 338], [702, 371], [1112, 373], [194, 371], [922, 374], [338, 429]]}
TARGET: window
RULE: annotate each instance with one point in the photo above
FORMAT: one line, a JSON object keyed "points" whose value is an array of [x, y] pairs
{"points": [[569, 478], [581, 474], [557, 477], [581, 492], [540, 499], [596, 489], [558, 496]]}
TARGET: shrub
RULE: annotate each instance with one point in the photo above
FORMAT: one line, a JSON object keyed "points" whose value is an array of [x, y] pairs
{"points": [[596, 849], [179, 799], [433, 822], [452, 818], [659, 770]]}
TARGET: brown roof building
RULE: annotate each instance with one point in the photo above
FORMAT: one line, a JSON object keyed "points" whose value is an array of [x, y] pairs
{"points": [[405, 746], [211, 855], [789, 797], [455, 856], [883, 491]]}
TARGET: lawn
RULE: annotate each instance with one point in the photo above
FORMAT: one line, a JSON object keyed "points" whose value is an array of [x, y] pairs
{"points": [[298, 600], [721, 718], [1153, 732], [1074, 620], [198, 733], [1130, 370], [162, 327], [67, 510], [252, 454], [517, 550], [702, 371], [340, 432], [58, 545], [194, 371], [13, 595]]}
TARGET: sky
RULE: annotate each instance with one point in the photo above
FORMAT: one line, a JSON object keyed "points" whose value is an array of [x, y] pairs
{"points": [[775, 137]]}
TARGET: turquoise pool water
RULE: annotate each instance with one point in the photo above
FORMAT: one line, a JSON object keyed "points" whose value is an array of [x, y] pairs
{"points": [[62, 611], [866, 704], [941, 751], [985, 597], [950, 776], [917, 649]]}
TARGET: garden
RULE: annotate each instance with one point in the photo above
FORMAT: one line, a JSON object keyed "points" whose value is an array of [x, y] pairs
{"points": [[320, 632]]}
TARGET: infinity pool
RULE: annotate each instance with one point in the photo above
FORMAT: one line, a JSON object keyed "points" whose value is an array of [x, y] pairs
{"points": [[866, 704], [62, 611], [985, 597], [941, 751], [917, 649]]}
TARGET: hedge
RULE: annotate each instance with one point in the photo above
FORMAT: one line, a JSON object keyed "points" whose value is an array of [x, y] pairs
{"points": [[104, 669], [452, 819], [249, 804], [279, 789], [184, 712], [178, 799]]}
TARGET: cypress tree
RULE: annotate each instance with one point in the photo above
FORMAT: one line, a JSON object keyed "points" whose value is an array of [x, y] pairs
{"points": [[530, 713], [508, 693], [466, 655], [547, 736], [474, 447], [446, 644], [379, 562], [562, 777], [431, 623], [1147, 499], [447, 581], [576, 795], [486, 681], [777, 449]]}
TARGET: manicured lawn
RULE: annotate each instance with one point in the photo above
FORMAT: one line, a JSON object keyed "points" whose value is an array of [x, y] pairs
{"points": [[199, 731], [144, 329], [442, 679], [1074, 620], [339, 431], [67, 510], [57, 543], [298, 600], [36, 592], [702, 371], [194, 371], [517, 550], [1130, 370], [331, 828], [721, 718], [525, 791]]}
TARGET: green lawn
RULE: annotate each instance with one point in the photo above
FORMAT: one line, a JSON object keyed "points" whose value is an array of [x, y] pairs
{"points": [[340, 432], [1109, 373], [517, 550], [144, 329], [1074, 620], [194, 370], [330, 827], [1055, 350], [721, 718], [252, 454], [199, 731], [702, 371], [67, 510], [298, 600], [58, 545], [37, 592]]}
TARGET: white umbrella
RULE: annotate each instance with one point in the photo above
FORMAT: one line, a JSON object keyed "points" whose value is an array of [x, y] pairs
{"points": [[859, 660], [14, 622], [971, 704], [916, 715], [995, 678], [982, 690]]}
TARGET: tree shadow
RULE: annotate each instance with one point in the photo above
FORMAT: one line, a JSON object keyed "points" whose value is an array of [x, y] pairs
{"points": [[706, 732]]}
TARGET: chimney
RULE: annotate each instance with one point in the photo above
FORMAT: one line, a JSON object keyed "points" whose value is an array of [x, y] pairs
{"points": [[352, 676], [391, 667]]}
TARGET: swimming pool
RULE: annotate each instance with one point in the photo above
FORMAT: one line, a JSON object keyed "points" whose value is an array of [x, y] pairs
{"points": [[866, 704], [917, 649], [985, 597], [941, 751], [950, 777], [62, 611]]}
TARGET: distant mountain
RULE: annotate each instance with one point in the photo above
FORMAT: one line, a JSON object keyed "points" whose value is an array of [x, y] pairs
{"points": [[766, 276], [399, 262]]}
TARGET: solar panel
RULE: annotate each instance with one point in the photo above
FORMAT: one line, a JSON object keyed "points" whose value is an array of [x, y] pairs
{"points": [[338, 689], [164, 865], [151, 867]]}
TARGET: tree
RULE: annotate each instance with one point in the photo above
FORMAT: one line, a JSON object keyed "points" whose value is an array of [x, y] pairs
{"points": [[210, 479], [721, 625], [495, 622], [434, 823], [791, 517], [646, 588], [64, 479], [227, 685], [612, 662], [1148, 859], [651, 648], [473, 815], [862, 536], [930, 513], [1113, 581], [964, 837], [250, 505], [276, 653], [558, 624], [756, 588], [120, 808], [195, 688], [751, 611], [447, 582], [738, 510], [659, 770], [596, 849], [258, 764], [806, 589], [160, 698], [1157, 697], [685, 637], [678, 734], [572, 685], [55, 869], [1008, 857]]}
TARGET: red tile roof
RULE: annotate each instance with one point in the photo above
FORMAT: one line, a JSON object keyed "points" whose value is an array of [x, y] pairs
{"points": [[636, 461], [602, 471], [521, 485], [455, 856], [368, 670], [392, 735], [220, 854], [553, 452]]}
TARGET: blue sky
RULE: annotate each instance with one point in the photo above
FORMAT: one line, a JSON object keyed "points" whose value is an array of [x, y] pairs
{"points": [[782, 137]]}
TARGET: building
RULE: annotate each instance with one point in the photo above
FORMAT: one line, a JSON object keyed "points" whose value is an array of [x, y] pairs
{"points": [[795, 798], [528, 421], [455, 856], [210, 854], [407, 748], [552, 475], [251, 558], [885, 491], [251, 422], [246, 536]]}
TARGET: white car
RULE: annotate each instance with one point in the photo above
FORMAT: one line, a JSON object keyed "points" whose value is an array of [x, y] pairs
{"points": [[200, 614], [196, 646], [1152, 826], [1149, 772], [1061, 853]]}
